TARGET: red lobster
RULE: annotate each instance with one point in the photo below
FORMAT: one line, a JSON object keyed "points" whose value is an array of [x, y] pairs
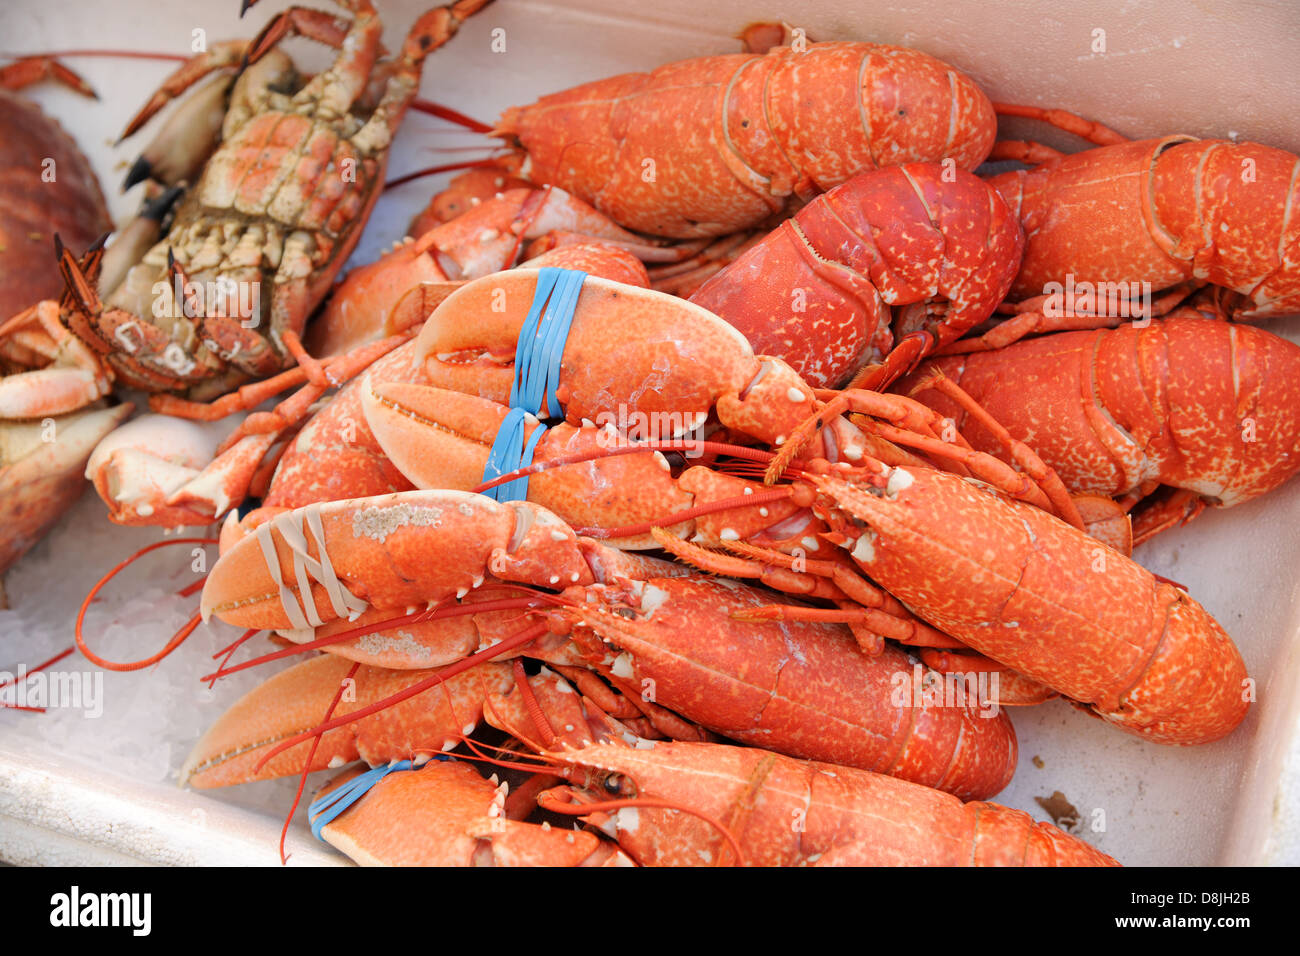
{"points": [[1209, 409], [799, 687], [935, 244], [1171, 212], [714, 145]]}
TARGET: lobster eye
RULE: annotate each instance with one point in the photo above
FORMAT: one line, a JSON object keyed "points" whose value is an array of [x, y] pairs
{"points": [[618, 785]]}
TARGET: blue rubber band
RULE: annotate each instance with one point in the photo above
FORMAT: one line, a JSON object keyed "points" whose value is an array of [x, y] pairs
{"points": [[510, 452], [542, 338], [324, 809]]}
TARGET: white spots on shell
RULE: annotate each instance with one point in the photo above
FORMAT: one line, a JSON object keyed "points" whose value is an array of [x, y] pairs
{"points": [[795, 395], [853, 452], [555, 579], [899, 480], [809, 542], [622, 666], [747, 490], [400, 642], [661, 461], [382, 520], [864, 549], [335, 762], [763, 512], [559, 536], [574, 577], [652, 598], [629, 818], [729, 534], [468, 728]]}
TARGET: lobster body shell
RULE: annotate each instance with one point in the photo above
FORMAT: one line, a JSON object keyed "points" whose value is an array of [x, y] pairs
{"points": [[1163, 211], [1212, 407], [713, 145], [787, 812], [1028, 590], [800, 688], [818, 290]]}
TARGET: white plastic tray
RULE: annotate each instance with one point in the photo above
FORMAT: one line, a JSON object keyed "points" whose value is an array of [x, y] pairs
{"points": [[100, 791]]}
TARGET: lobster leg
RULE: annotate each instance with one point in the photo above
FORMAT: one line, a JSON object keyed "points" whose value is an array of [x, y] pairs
{"points": [[1040, 316], [876, 611], [919, 423], [1090, 130]]}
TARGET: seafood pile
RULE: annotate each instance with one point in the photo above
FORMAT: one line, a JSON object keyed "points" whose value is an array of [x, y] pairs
{"points": [[722, 463]]}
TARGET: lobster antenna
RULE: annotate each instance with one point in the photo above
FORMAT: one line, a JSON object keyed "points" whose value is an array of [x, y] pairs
{"points": [[674, 444], [431, 108], [485, 163], [228, 651], [416, 617], [689, 514], [127, 54], [176, 640], [311, 755]]}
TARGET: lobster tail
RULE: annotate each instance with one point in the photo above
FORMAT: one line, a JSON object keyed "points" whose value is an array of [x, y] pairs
{"points": [[1194, 660]]}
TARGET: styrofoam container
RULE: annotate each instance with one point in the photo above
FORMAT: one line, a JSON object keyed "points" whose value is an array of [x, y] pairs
{"points": [[102, 789]]}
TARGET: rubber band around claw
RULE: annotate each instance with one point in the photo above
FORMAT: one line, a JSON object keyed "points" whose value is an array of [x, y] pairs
{"points": [[511, 453], [537, 376], [323, 810], [542, 339]]}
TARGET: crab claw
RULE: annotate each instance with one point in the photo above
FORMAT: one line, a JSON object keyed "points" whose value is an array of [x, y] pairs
{"points": [[161, 470], [40, 472], [296, 700]]}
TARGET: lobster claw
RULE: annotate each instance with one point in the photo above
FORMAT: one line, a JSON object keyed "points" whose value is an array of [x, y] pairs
{"points": [[297, 699], [446, 814], [444, 439]]}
